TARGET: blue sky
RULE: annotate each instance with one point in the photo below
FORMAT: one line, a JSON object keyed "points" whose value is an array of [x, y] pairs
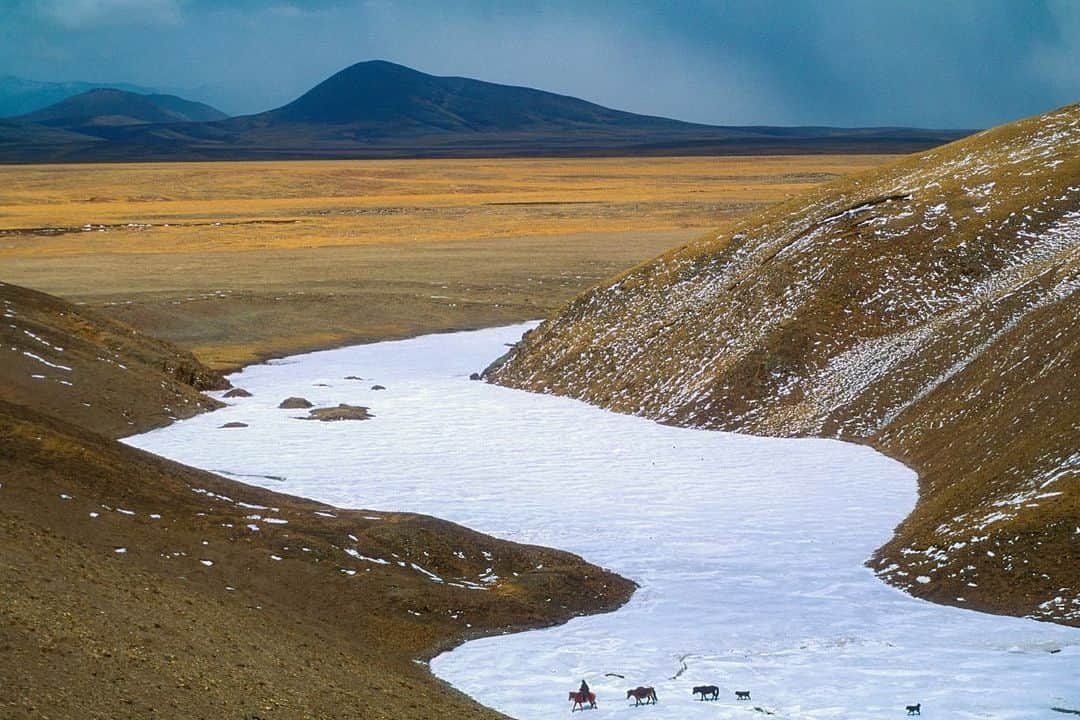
{"points": [[967, 63]]}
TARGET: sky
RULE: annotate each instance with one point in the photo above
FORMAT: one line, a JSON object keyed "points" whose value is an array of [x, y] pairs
{"points": [[927, 63]]}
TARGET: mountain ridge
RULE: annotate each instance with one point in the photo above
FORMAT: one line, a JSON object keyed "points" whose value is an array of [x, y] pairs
{"points": [[380, 109]]}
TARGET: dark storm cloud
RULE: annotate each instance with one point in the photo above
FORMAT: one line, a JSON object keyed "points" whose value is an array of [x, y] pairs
{"points": [[965, 63]]}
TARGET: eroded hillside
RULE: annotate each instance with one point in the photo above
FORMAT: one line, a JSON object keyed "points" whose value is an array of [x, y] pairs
{"points": [[928, 307]]}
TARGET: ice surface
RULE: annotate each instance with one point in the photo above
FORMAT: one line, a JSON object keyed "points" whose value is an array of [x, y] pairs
{"points": [[749, 551]]}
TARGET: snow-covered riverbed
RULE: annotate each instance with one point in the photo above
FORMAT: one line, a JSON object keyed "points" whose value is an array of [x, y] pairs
{"points": [[749, 551]]}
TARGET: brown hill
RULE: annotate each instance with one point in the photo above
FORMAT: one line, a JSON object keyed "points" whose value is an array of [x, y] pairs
{"points": [[928, 307], [131, 586], [81, 367]]}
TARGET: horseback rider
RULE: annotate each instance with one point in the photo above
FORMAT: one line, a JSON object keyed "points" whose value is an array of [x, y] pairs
{"points": [[584, 690]]}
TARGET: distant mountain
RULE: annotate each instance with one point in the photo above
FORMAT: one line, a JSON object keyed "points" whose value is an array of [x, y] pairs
{"points": [[928, 307], [104, 107], [379, 109], [394, 99], [19, 96]]}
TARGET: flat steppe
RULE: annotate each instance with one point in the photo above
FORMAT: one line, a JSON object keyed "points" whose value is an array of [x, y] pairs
{"points": [[243, 261]]}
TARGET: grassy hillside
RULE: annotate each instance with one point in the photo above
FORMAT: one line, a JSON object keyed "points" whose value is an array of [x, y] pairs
{"points": [[928, 307], [136, 587]]}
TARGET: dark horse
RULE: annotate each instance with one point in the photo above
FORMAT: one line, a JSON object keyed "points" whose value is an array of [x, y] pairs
{"points": [[579, 699], [915, 709], [707, 692], [642, 695]]}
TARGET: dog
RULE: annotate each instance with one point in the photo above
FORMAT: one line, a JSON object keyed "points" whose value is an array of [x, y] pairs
{"points": [[742, 694], [915, 709]]}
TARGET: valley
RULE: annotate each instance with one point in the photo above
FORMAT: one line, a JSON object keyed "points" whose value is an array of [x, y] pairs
{"points": [[748, 552], [246, 262], [143, 579], [423, 361]]}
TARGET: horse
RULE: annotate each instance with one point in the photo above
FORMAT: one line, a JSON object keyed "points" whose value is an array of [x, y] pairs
{"points": [[707, 692], [742, 694], [642, 693], [915, 709], [579, 699]]}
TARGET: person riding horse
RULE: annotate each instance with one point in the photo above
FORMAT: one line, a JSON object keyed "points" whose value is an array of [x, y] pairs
{"points": [[583, 698]]}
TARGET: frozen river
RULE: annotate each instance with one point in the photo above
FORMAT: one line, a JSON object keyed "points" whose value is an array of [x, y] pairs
{"points": [[749, 551]]}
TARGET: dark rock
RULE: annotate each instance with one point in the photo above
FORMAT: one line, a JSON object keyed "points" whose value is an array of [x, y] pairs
{"points": [[295, 403], [341, 412], [353, 377], [237, 392], [502, 359], [475, 376], [234, 425], [377, 387]]}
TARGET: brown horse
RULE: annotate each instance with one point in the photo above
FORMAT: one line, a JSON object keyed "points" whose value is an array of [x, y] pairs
{"points": [[642, 695], [579, 699]]}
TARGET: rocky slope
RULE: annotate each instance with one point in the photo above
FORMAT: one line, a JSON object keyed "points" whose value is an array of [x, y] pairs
{"points": [[928, 308]]}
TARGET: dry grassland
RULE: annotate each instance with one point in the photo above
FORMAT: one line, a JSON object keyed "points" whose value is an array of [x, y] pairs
{"points": [[243, 261]]}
